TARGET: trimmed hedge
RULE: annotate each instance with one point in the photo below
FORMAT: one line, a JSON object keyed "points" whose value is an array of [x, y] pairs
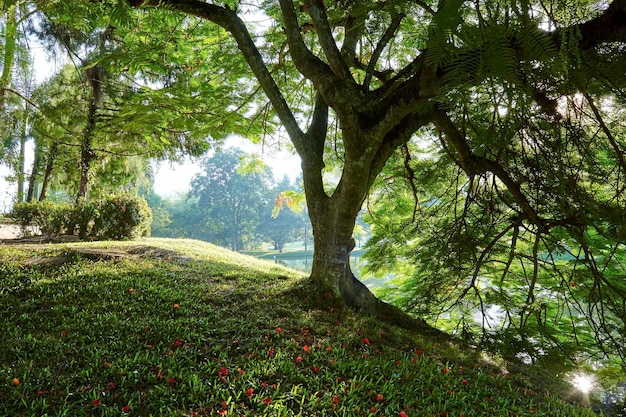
{"points": [[116, 217]]}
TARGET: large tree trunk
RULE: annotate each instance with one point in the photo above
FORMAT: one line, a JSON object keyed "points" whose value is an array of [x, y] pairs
{"points": [[333, 244], [333, 219], [333, 225]]}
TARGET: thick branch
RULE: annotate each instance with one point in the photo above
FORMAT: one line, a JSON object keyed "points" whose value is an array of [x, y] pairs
{"points": [[317, 11], [396, 137], [382, 43], [312, 151], [332, 88], [353, 28], [416, 81], [608, 27], [473, 164]]}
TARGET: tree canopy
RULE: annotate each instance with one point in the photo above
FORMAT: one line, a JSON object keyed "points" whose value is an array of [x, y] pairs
{"points": [[486, 136], [232, 201]]}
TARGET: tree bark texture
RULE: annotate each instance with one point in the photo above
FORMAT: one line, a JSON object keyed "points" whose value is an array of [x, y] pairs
{"points": [[52, 154]]}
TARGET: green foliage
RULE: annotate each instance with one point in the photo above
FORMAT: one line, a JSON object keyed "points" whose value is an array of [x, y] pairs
{"points": [[287, 226], [261, 342], [46, 218], [117, 217], [231, 198], [464, 257], [121, 217], [518, 208], [234, 195], [294, 200]]}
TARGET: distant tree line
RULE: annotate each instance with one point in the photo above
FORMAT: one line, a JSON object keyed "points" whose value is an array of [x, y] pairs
{"points": [[232, 203]]}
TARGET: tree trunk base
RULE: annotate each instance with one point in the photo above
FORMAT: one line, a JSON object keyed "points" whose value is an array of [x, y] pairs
{"points": [[361, 299]]}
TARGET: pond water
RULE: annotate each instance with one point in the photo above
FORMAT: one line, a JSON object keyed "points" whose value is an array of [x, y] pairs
{"points": [[357, 263]]}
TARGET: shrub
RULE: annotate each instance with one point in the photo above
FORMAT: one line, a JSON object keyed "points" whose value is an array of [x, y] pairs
{"points": [[116, 217], [48, 218], [84, 217], [122, 217], [22, 214]]}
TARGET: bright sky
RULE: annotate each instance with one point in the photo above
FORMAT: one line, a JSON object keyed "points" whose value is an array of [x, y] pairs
{"points": [[175, 178]]}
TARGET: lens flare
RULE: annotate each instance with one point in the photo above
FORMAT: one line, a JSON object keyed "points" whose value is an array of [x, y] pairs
{"points": [[584, 383]]}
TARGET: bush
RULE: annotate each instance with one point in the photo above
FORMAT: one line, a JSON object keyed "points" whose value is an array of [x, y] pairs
{"points": [[46, 217], [84, 218], [116, 217], [123, 217]]}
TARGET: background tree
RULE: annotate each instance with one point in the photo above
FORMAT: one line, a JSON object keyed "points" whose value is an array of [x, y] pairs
{"points": [[283, 226], [231, 199], [18, 113], [16, 88], [176, 217], [58, 128], [118, 134]]}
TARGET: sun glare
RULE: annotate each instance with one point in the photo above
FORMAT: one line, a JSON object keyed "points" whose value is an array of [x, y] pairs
{"points": [[584, 383]]}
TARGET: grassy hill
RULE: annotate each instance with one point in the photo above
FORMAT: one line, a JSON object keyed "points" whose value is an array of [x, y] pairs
{"points": [[182, 328]]}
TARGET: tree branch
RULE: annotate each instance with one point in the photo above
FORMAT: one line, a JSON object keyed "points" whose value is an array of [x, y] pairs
{"points": [[312, 152], [619, 153], [382, 43], [317, 11], [610, 26], [473, 164], [353, 27], [412, 83], [334, 91]]}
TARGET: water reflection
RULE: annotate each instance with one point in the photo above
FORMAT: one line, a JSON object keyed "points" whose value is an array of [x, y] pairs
{"points": [[304, 264], [357, 263]]}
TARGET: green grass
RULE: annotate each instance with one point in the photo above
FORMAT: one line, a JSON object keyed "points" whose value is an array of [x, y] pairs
{"points": [[103, 338]]}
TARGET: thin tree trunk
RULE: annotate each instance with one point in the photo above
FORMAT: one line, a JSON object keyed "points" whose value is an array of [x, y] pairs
{"points": [[94, 77], [10, 36], [21, 171], [30, 196], [86, 153], [48, 172]]}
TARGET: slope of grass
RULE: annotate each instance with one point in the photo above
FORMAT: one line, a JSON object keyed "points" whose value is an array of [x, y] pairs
{"points": [[183, 328]]}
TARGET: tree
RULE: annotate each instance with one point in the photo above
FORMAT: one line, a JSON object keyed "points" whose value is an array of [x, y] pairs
{"points": [[16, 87], [66, 133], [176, 217], [282, 229], [282, 226], [231, 199], [355, 83], [384, 70], [116, 138]]}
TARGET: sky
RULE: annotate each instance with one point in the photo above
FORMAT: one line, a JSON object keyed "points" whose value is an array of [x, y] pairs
{"points": [[171, 178]]}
